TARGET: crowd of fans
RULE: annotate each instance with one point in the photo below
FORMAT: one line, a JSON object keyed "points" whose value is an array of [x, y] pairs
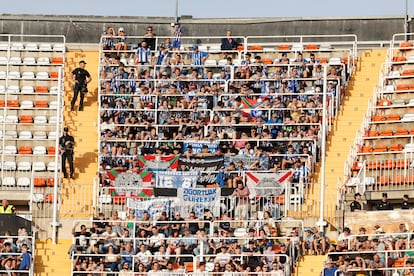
{"points": [[16, 253]]}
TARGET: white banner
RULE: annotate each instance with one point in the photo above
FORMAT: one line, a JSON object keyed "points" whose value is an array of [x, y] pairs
{"points": [[199, 199], [177, 179], [154, 206]]}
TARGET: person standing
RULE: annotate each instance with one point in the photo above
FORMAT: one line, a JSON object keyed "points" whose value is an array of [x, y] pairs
{"points": [[6, 207], [66, 144], [80, 78], [356, 205]]}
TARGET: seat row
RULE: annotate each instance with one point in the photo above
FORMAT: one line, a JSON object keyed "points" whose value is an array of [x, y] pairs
{"points": [[37, 150], [28, 104], [409, 117], [28, 89], [389, 132], [31, 61], [384, 148], [36, 166], [44, 47], [395, 102], [29, 75], [27, 135], [24, 182], [27, 119]]}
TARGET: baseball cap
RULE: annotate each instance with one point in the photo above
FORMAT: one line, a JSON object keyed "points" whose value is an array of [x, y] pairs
{"points": [[121, 29], [357, 194], [66, 129], [82, 61]]}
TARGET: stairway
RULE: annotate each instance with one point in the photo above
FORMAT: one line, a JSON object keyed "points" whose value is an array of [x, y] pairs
{"points": [[342, 135], [52, 259], [310, 266]]}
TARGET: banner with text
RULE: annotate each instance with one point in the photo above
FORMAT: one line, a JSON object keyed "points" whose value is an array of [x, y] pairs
{"points": [[207, 166], [198, 146], [199, 199], [177, 179], [154, 206], [248, 161]]}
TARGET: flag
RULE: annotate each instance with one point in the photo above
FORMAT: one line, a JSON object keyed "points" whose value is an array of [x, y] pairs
{"points": [[262, 184]]}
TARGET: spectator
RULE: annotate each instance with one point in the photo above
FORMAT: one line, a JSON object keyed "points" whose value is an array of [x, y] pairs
{"points": [[198, 58], [376, 263], [24, 259], [121, 45], [242, 200], [108, 41], [228, 43], [384, 205], [149, 38], [356, 205], [143, 56], [144, 256], [7, 208], [177, 32], [329, 269], [404, 204]]}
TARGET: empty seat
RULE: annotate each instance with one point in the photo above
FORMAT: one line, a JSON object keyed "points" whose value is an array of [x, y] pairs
{"points": [[311, 47], [366, 149], [393, 117], [50, 182], [3, 60], [43, 61], [396, 147], [386, 132], [45, 47], [401, 87], [222, 62], [9, 181], [28, 75], [17, 46], [23, 182], [52, 135], [14, 75], [13, 89], [24, 166], [397, 179], [53, 105], [372, 133], [380, 148], [51, 150], [10, 134], [407, 118], [407, 72], [373, 164], [27, 89], [398, 102], [383, 180], [25, 150], [409, 179], [25, 134], [40, 119], [29, 61], [10, 149], [406, 45], [26, 104], [54, 90], [335, 61], [284, 47], [402, 163], [15, 60], [410, 102], [41, 89], [384, 102], [9, 166], [59, 47], [39, 166], [59, 60], [39, 135], [210, 62], [54, 75], [41, 104], [39, 150], [409, 147], [2, 89], [51, 166], [39, 182], [378, 118], [4, 46], [42, 75], [31, 47], [26, 119], [52, 120], [388, 164], [13, 119], [3, 74]]}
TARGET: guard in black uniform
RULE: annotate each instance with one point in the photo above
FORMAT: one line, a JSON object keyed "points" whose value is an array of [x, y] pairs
{"points": [[404, 204], [356, 205], [66, 145], [384, 205], [80, 78]]}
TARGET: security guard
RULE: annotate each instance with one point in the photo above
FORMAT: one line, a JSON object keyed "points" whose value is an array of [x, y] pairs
{"points": [[384, 205], [7, 208], [66, 144], [356, 205]]}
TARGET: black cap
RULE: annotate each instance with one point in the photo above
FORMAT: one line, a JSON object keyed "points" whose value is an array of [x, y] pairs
{"points": [[82, 61], [357, 194], [66, 129], [384, 195]]}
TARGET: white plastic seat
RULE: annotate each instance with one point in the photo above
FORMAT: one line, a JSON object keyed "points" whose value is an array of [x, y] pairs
{"points": [[29, 61], [9, 166], [31, 47], [222, 62], [12, 119], [10, 150], [25, 134], [395, 74], [23, 182], [215, 48], [28, 75], [105, 199], [52, 135], [123, 60], [1, 119], [40, 119], [51, 166], [409, 147], [2, 89], [26, 104], [53, 90], [39, 135], [9, 181], [14, 75], [43, 61], [15, 60], [42, 75], [39, 166], [334, 61], [59, 47], [27, 89], [4, 46], [45, 47], [3, 60], [52, 120], [3, 74], [389, 88], [53, 105], [297, 47], [17, 46], [39, 150], [210, 62], [411, 102], [24, 166], [10, 134], [407, 117], [13, 89]]}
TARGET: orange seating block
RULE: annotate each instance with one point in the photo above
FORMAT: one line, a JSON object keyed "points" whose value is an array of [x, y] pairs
{"points": [[373, 164], [26, 119], [399, 59], [311, 47], [399, 262], [283, 47], [386, 132], [50, 182], [356, 166], [372, 133], [397, 179], [51, 150], [402, 163], [267, 61], [407, 72], [378, 118], [396, 147], [119, 199], [39, 182], [412, 131], [412, 86], [2, 103], [366, 149], [380, 148], [406, 45], [54, 75], [240, 47], [322, 59], [401, 131], [409, 179], [12, 103], [393, 117], [41, 89], [388, 164], [49, 198], [384, 102], [256, 48], [383, 180], [25, 150], [57, 60], [41, 104], [401, 87]]}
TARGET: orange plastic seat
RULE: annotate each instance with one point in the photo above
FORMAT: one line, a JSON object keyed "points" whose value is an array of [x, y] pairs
{"points": [[384, 102], [399, 262], [393, 117], [39, 182], [402, 87], [41, 104], [50, 182], [25, 150], [267, 61], [401, 131], [371, 133], [386, 132], [396, 147], [402, 163], [240, 47], [256, 48], [397, 179], [54, 75], [356, 166], [283, 47], [57, 60], [388, 164], [322, 59], [378, 118], [373, 164], [12, 103], [2, 103], [380, 148], [412, 131], [41, 89], [412, 86], [26, 119], [407, 72], [406, 45], [383, 180], [366, 149], [49, 198], [311, 47], [399, 59], [409, 179], [51, 150], [119, 199]]}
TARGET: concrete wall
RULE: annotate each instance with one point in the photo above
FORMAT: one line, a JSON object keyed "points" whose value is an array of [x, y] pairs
{"points": [[87, 29]]}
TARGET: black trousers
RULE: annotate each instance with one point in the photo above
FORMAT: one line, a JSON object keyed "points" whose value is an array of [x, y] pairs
{"points": [[76, 91], [69, 157]]}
